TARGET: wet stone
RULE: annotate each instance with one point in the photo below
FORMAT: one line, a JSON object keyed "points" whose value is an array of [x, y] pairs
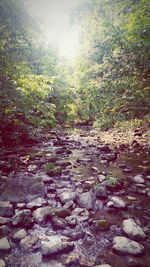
{"points": [[125, 246], [86, 200], [54, 245], [132, 229], [20, 235], [4, 220], [6, 209], [37, 202], [4, 245], [2, 263]]}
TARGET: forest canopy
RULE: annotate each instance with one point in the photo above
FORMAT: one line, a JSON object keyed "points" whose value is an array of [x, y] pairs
{"points": [[108, 83]]}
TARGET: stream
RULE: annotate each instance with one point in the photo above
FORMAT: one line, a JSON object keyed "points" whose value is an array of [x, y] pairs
{"points": [[64, 200]]}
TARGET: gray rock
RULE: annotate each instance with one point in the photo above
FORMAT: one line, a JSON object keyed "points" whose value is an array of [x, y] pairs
{"points": [[138, 179], [6, 209], [23, 217], [87, 200], [37, 202], [4, 245], [4, 220], [117, 202], [20, 235], [32, 168], [41, 214], [101, 192], [30, 243], [132, 229], [125, 246], [2, 263], [54, 245], [67, 196]]}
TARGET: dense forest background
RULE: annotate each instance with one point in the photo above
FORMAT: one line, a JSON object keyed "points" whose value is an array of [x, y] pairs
{"points": [[107, 86]]}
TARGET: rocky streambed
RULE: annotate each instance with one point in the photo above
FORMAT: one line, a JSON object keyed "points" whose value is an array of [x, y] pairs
{"points": [[75, 200]]}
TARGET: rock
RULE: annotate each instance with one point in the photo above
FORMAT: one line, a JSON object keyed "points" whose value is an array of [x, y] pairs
{"points": [[20, 235], [4, 245], [32, 168], [109, 157], [30, 243], [71, 220], [132, 229], [67, 196], [135, 263], [101, 224], [104, 148], [6, 209], [86, 200], [4, 230], [68, 259], [103, 265], [2, 263], [94, 168], [59, 223], [4, 220], [74, 234], [86, 262], [41, 214], [125, 246], [101, 192], [55, 244], [118, 202], [23, 218], [37, 202], [101, 178], [138, 179]]}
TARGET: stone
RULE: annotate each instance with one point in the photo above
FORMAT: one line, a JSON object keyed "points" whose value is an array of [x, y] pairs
{"points": [[37, 202], [68, 259], [20, 235], [86, 262], [41, 214], [23, 218], [4, 220], [86, 200], [101, 193], [59, 223], [6, 209], [67, 196], [103, 265], [74, 234], [4, 245], [55, 244], [2, 263], [32, 168], [126, 246], [101, 178], [101, 224], [132, 229], [138, 179], [30, 243], [118, 202]]}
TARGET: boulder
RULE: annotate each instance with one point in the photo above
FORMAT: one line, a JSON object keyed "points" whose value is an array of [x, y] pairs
{"points": [[132, 229], [125, 246], [20, 235], [117, 202], [2, 263], [4, 245], [37, 202], [86, 200], [55, 244], [23, 218], [67, 196], [6, 209], [138, 179]]}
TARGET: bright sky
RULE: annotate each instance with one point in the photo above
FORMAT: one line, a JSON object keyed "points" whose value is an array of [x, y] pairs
{"points": [[54, 18]]}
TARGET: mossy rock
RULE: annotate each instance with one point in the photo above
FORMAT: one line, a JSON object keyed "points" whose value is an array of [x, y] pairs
{"points": [[52, 170], [101, 224]]}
